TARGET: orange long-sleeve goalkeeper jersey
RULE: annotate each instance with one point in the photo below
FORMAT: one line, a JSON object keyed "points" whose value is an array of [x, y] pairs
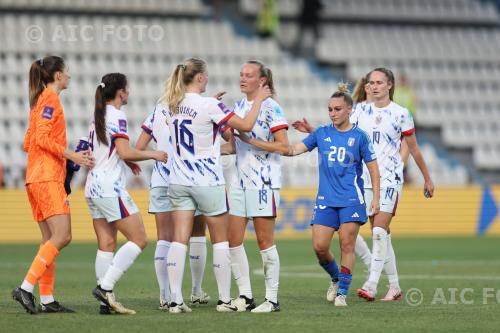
{"points": [[45, 140]]}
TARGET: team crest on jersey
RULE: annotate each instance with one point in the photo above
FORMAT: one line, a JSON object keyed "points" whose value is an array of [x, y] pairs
{"points": [[350, 142], [223, 107], [47, 112], [122, 124]]}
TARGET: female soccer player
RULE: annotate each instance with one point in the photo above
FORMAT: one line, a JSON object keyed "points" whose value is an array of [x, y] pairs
{"points": [[255, 194], [45, 143], [340, 206], [110, 205], [196, 180], [155, 128]]}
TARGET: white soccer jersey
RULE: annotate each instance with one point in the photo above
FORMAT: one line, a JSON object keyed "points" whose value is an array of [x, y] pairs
{"points": [[107, 178], [259, 169], [156, 126], [196, 141], [385, 127]]}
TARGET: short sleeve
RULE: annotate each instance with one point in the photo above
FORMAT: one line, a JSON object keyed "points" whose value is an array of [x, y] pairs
{"points": [[277, 119], [366, 148], [311, 141], [118, 126], [218, 112], [407, 124], [147, 125]]}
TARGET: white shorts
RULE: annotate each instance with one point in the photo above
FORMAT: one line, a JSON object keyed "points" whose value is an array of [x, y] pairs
{"points": [[253, 203], [159, 201], [389, 198], [111, 209], [208, 200]]}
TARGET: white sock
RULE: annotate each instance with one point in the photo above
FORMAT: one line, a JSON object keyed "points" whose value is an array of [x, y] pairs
{"points": [[175, 265], [390, 264], [241, 270], [378, 256], [363, 251], [222, 270], [197, 262], [103, 260], [160, 259], [123, 259], [46, 299], [271, 263], [27, 286]]}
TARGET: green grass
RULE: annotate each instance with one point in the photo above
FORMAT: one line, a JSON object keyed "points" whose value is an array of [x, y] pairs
{"points": [[426, 264]]}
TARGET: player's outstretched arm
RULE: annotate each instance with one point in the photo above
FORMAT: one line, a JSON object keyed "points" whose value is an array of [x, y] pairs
{"points": [[128, 153], [246, 124], [411, 140], [303, 126], [375, 178], [275, 147], [143, 141]]}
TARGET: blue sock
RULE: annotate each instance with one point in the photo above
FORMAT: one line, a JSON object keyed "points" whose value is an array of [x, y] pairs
{"points": [[345, 278], [332, 269]]}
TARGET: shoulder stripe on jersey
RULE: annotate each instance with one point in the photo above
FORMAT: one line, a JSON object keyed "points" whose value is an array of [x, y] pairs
{"points": [[279, 127], [408, 132], [226, 118]]}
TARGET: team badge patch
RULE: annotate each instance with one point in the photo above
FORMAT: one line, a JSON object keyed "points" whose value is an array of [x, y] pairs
{"points": [[350, 142], [223, 107], [48, 111], [122, 124]]}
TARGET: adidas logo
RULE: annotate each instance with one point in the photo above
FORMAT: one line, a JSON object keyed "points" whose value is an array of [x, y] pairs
{"points": [[328, 139], [355, 214]]}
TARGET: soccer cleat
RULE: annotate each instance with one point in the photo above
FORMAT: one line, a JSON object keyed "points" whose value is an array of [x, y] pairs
{"points": [[393, 294], [26, 299], [266, 307], [163, 305], [366, 293], [244, 303], [105, 310], [226, 307], [202, 298], [108, 298], [340, 300], [178, 308], [331, 293], [54, 307]]}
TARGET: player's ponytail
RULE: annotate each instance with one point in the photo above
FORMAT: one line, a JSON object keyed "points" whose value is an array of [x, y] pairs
{"points": [[105, 92], [343, 92], [42, 73], [390, 78], [359, 94], [265, 72], [183, 75]]}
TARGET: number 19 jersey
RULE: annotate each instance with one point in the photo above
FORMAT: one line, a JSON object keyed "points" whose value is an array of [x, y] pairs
{"points": [[194, 129]]}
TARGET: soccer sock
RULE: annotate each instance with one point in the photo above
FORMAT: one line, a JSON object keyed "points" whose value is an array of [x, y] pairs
{"points": [[241, 270], [123, 259], [379, 255], [45, 256], [160, 259], [363, 251], [271, 263], [390, 264], [175, 265], [222, 270], [103, 261], [46, 284], [332, 269], [345, 278], [197, 262]]}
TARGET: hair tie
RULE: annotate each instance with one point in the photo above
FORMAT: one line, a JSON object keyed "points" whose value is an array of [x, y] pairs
{"points": [[102, 85], [183, 66], [40, 61]]}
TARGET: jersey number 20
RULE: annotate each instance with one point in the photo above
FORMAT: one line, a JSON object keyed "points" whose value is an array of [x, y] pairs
{"points": [[336, 154]]}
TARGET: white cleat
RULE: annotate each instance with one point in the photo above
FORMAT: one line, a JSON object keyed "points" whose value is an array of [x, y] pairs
{"points": [[202, 298], [244, 303], [367, 292], [340, 300], [267, 307], [394, 294], [163, 305], [226, 307], [116, 306], [178, 308], [331, 293]]}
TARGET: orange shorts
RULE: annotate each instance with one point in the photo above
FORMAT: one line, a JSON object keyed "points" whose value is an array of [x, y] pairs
{"points": [[47, 199]]}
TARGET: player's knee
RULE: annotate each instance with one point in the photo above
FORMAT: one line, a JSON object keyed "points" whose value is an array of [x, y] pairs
{"points": [[264, 243], [107, 245], [347, 247], [320, 249], [142, 242]]}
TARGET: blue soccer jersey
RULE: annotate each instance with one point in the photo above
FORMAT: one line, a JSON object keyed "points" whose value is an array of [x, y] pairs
{"points": [[341, 156]]}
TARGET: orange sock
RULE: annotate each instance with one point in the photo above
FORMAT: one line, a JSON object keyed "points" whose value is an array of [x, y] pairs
{"points": [[46, 282], [44, 258]]}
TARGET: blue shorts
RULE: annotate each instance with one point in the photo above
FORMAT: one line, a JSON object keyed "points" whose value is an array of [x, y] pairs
{"points": [[333, 217]]}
